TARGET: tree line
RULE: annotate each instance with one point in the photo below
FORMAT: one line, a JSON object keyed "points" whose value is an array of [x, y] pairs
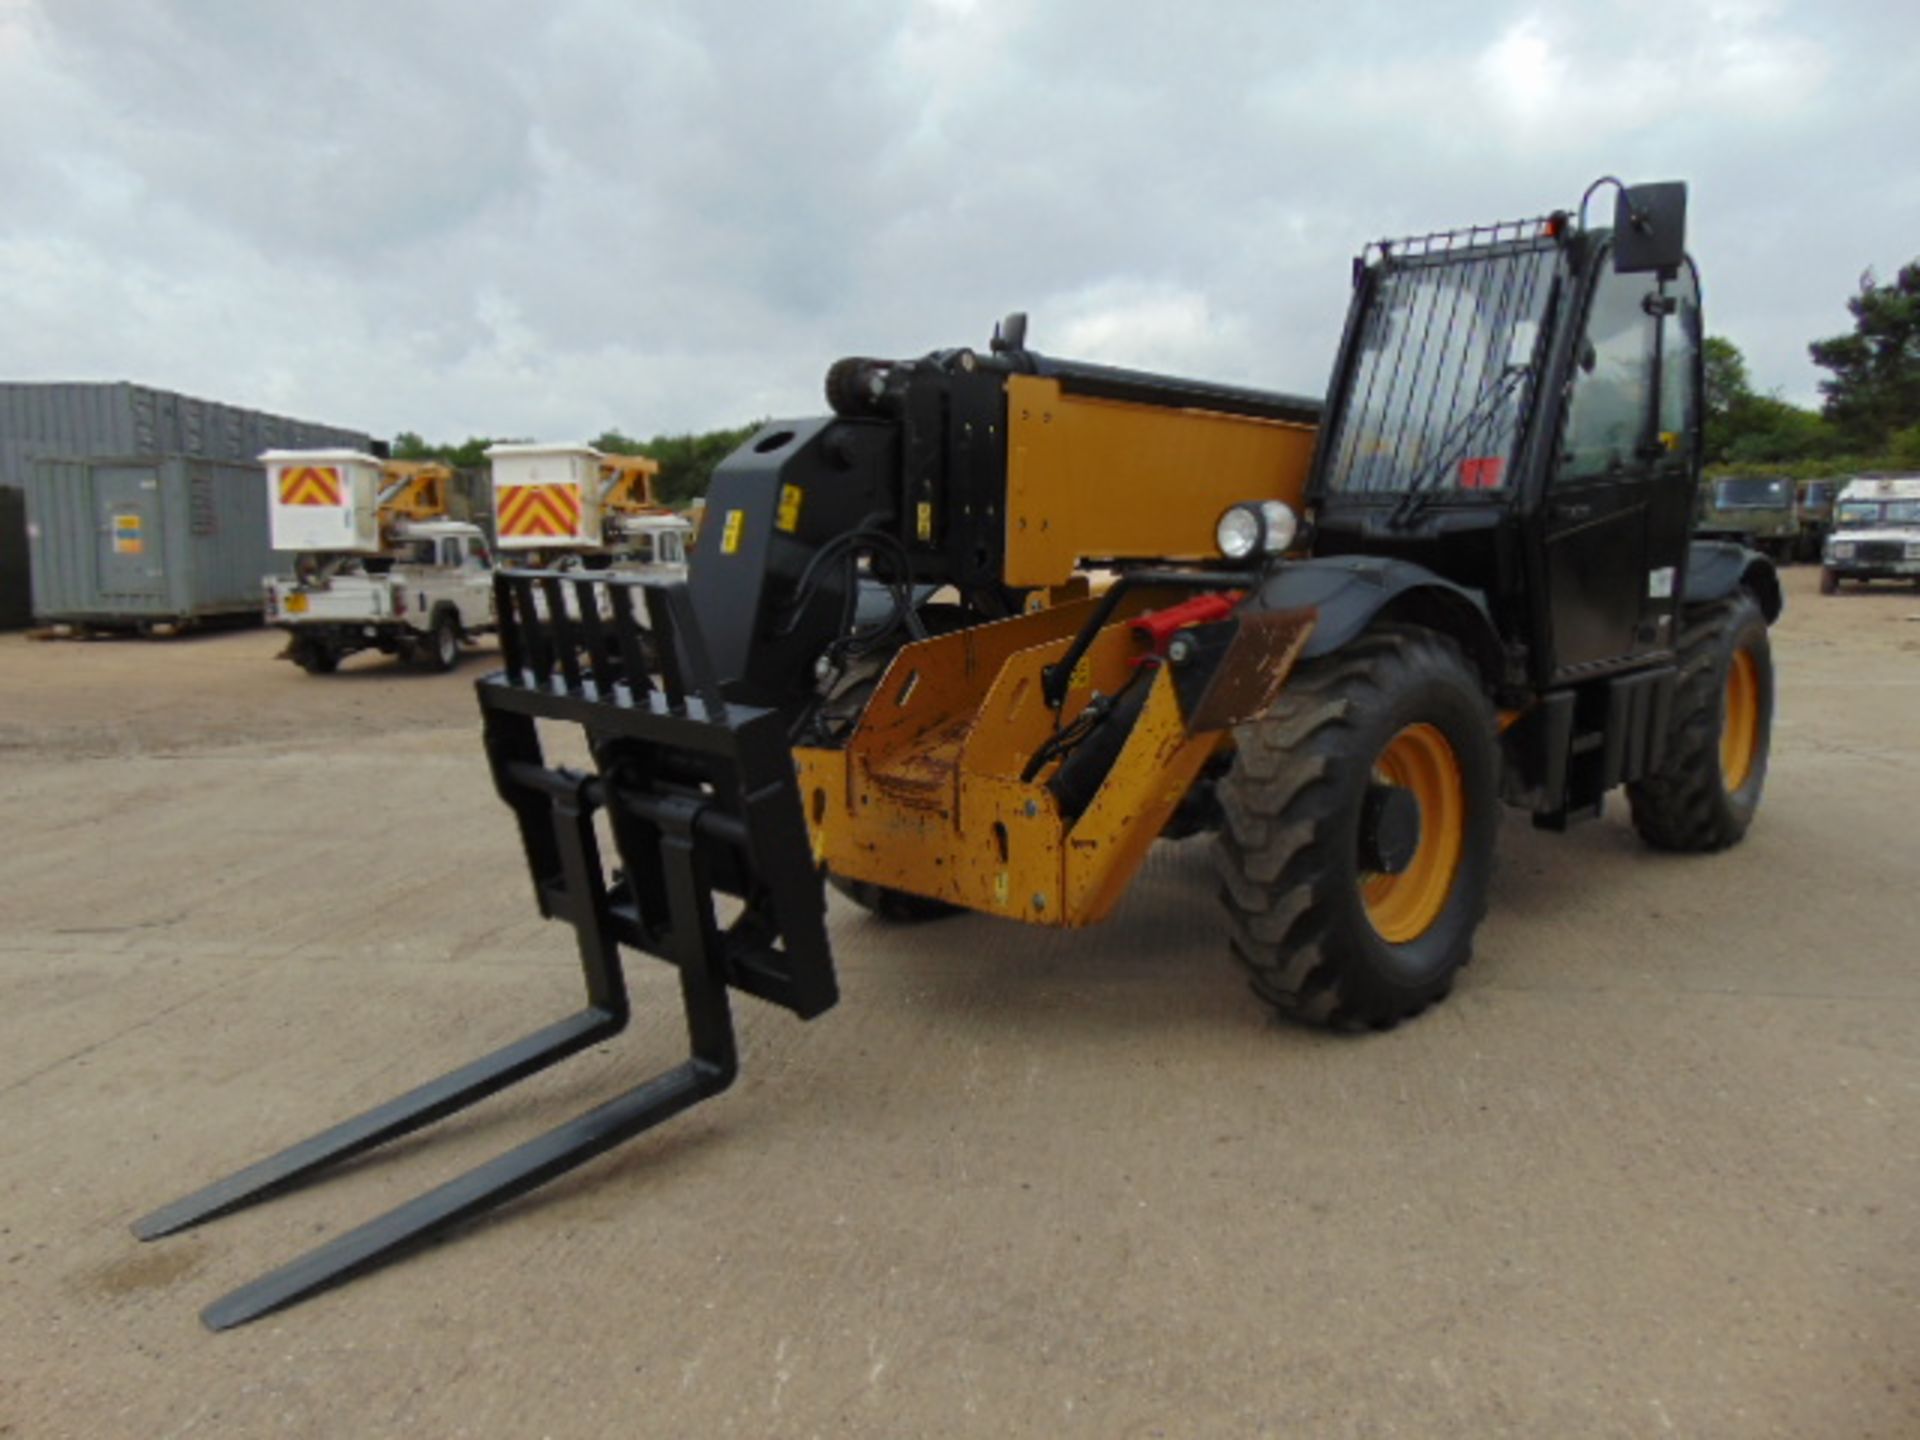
{"points": [[1869, 418], [686, 461]]}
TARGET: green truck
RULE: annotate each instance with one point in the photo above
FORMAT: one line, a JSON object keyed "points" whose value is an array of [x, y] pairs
{"points": [[1756, 509]]}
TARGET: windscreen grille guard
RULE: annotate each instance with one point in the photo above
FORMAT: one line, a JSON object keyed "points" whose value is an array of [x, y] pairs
{"points": [[1446, 354]]}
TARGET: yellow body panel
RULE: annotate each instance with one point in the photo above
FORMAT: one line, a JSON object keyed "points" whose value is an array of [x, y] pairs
{"points": [[1096, 479], [927, 797]]}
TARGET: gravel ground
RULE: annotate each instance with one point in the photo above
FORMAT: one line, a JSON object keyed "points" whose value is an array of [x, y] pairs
{"points": [[1654, 1169]]}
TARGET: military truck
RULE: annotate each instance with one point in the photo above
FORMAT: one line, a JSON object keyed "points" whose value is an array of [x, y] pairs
{"points": [[1757, 510]]}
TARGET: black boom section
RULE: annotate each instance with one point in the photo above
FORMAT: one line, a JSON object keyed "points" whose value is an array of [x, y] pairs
{"points": [[699, 799]]}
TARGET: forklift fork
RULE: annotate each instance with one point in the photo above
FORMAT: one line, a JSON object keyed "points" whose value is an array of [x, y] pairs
{"points": [[700, 799]]}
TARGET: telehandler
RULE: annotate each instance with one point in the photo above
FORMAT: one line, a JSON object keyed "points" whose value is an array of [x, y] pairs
{"points": [[1337, 634]]}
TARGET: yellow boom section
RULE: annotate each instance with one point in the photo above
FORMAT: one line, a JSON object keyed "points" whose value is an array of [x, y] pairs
{"points": [[627, 483], [1093, 479], [413, 490]]}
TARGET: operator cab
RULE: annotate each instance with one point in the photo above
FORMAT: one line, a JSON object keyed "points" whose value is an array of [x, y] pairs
{"points": [[1516, 408]]}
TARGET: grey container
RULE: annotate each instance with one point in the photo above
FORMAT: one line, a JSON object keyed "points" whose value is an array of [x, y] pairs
{"points": [[16, 594], [62, 421], [199, 568], [141, 542]]}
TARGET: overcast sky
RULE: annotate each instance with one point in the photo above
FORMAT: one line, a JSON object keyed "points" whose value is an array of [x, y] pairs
{"points": [[543, 219]]}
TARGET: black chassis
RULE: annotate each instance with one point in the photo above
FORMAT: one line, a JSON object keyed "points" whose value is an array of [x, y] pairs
{"points": [[346, 637]]}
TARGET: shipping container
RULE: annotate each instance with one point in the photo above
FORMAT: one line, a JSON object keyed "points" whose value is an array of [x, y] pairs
{"points": [[64, 422], [142, 542], [80, 422], [16, 594]]}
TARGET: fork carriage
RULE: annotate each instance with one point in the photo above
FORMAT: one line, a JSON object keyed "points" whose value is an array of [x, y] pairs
{"points": [[700, 800]]}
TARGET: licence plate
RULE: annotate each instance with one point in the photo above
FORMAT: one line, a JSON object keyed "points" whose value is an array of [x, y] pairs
{"points": [[296, 604]]}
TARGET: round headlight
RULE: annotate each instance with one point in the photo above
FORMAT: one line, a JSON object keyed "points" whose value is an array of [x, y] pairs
{"points": [[1257, 526], [1282, 525], [1238, 533]]}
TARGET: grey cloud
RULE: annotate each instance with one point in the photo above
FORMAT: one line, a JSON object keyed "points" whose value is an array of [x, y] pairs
{"points": [[545, 219]]}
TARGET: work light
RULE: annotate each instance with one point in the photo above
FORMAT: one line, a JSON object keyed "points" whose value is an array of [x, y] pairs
{"points": [[1256, 526]]}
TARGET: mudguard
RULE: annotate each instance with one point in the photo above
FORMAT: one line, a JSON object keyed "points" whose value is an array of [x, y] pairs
{"points": [[1351, 591], [1716, 568]]}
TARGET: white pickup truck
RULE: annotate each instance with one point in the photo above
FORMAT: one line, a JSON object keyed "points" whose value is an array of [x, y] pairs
{"points": [[378, 565], [434, 591]]}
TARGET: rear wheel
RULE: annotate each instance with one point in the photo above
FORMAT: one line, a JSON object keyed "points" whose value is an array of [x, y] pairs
{"points": [[315, 657], [1708, 786], [1357, 846]]}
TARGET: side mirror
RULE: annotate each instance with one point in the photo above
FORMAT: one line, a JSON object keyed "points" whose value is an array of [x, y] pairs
{"points": [[1010, 335], [1650, 227]]}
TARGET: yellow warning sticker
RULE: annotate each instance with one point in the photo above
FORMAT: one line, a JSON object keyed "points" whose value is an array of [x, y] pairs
{"points": [[730, 536], [1000, 888], [924, 520], [1082, 675], [787, 518]]}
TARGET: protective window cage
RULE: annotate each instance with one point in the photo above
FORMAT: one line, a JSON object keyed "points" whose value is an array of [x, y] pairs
{"points": [[1448, 352]]}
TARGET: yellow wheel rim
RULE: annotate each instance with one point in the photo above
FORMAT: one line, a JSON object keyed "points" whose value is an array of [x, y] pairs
{"points": [[1403, 907], [1740, 721]]}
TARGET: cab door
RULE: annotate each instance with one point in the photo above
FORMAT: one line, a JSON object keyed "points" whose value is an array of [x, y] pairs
{"points": [[472, 574], [1602, 488]]}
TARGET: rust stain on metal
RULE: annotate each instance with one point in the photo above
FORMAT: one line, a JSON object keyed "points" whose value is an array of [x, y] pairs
{"points": [[925, 774], [1248, 678]]}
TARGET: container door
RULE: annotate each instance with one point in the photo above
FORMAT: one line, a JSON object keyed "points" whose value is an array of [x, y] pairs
{"points": [[126, 500]]}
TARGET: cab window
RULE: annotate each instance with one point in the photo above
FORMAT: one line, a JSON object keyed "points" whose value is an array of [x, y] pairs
{"points": [[1607, 417], [1679, 366]]}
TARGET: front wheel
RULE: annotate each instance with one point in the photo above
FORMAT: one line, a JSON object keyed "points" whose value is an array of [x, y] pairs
{"points": [[1829, 582], [899, 906], [443, 645], [1359, 821], [1708, 786]]}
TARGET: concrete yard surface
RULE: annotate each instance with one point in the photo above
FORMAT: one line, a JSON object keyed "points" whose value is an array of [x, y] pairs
{"points": [[1654, 1169]]}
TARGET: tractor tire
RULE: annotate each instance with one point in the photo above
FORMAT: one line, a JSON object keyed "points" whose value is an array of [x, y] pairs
{"points": [[1708, 786], [1829, 582], [895, 905], [1327, 937], [316, 658], [442, 650]]}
